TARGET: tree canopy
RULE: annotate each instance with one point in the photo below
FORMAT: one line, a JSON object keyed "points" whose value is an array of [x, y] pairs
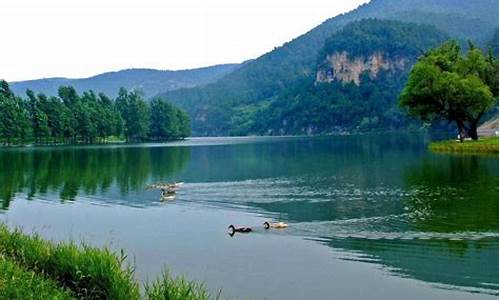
{"points": [[447, 85], [87, 118]]}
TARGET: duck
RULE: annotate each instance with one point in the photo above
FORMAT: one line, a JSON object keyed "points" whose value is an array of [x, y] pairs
{"points": [[167, 195], [233, 230], [278, 225]]}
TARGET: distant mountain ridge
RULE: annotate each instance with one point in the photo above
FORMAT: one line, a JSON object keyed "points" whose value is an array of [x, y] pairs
{"points": [[150, 81], [231, 103]]}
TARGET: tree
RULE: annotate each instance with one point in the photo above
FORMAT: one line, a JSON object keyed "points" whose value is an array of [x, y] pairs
{"points": [[184, 124], [163, 123], [14, 119], [444, 84], [69, 97], [87, 118], [135, 114], [109, 121], [39, 120], [56, 116]]}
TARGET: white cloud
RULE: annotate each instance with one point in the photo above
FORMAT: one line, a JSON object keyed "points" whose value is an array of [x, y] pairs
{"points": [[78, 38]]}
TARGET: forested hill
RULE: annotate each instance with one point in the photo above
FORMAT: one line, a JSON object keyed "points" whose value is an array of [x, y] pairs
{"points": [[227, 106], [361, 70], [150, 81]]}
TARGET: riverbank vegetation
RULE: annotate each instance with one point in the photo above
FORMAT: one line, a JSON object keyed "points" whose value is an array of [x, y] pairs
{"points": [[33, 268], [482, 145], [18, 283], [87, 118]]}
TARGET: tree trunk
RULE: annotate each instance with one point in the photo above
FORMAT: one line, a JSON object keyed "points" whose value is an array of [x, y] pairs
{"points": [[461, 130], [473, 129], [473, 132]]}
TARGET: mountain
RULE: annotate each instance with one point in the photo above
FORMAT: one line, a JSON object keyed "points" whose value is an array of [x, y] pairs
{"points": [[150, 81], [229, 105], [361, 70]]}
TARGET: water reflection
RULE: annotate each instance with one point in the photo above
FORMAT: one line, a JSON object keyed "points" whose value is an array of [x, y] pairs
{"points": [[453, 194], [381, 200], [468, 265], [439, 225], [92, 171]]}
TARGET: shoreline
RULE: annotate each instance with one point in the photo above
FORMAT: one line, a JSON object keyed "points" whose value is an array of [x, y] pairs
{"points": [[485, 145], [32, 266]]}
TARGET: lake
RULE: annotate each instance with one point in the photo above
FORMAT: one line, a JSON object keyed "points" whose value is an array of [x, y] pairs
{"points": [[370, 217]]}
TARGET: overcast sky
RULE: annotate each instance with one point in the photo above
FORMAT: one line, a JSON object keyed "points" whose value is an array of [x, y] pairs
{"points": [[81, 38]]}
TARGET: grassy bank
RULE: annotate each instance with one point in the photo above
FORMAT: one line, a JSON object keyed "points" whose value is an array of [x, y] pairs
{"points": [[65, 270], [18, 283], [487, 145]]}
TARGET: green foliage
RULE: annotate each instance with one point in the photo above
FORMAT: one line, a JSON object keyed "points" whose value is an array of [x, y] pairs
{"points": [[17, 283], [444, 84], [72, 171], [167, 121], [87, 118], [88, 272], [310, 107], [482, 145], [65, 270], [135, 113], [14, 118], [39, 120], [217, 109], [169, 288], [393, 38]]}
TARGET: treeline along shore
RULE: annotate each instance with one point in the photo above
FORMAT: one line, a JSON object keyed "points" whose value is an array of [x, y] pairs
{"points": [[71, 118]]}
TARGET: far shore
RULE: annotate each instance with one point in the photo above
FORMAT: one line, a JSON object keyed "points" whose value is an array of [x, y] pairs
{"points": [[486, 145]]}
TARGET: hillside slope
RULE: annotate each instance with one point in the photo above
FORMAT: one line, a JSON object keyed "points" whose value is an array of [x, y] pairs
{"points": [[361, 70], [212, 107], [150, 81]]}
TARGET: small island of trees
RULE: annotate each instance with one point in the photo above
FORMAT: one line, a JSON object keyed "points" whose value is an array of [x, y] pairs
{"points": [[87, 118]]}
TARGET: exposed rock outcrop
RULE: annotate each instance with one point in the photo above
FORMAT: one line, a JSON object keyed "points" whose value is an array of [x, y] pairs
{"points": [[340, 67]]}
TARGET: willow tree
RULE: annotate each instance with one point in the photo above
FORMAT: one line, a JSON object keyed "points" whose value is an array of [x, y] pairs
{"points": [[444, 84]]}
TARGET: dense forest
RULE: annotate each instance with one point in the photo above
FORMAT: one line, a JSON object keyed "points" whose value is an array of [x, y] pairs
{"points": [[219, 108], [313, 107], [87, 118]]}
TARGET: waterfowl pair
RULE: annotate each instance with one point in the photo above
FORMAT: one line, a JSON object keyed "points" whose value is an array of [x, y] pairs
{"points": [[279, 225]]}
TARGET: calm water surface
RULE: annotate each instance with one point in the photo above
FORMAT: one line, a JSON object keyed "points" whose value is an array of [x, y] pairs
{"points": [[371, 217]]}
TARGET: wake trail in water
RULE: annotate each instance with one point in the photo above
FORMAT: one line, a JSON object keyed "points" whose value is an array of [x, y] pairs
{"points": [[338, 209]]}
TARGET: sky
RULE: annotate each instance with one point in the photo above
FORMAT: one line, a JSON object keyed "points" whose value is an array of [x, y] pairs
{"points": [[81, 38]]}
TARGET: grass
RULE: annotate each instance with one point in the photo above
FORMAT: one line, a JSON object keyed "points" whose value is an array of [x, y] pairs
{"points": [[84, 271], [167, 287], [90, 273], [487, 145], [17, 283]]}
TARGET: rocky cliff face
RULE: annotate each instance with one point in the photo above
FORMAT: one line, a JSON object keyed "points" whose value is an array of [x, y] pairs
{"points": [[340, 67]]}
